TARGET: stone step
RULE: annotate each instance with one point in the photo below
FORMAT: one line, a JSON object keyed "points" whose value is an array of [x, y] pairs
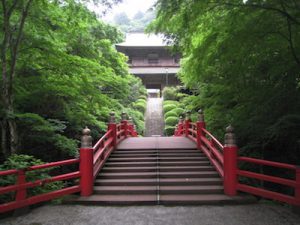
{"points": [[134, 151], [154, 168], [199, 189], [164, 199], [154, 163], [149, 159], [107, 190], [159, 154], [182, 174], [162, 181]]}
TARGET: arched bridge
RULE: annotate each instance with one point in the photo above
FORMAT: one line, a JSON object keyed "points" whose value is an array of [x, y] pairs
{"points": [[191, 167]]}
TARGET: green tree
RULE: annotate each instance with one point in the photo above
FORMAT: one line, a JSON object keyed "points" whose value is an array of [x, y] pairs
{"points": [[243, 58]]}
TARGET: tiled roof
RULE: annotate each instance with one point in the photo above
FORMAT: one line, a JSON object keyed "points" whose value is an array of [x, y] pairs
{"points": [[143, 40]]}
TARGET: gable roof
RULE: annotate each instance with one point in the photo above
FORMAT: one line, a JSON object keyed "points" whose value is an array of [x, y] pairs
{"points": [[142, 40]]}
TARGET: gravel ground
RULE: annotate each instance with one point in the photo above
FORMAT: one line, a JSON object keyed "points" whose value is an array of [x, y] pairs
{"points": [[256, 214]]}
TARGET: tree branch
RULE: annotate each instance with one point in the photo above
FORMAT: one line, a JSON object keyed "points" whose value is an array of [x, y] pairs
{"points": [[17, 43], [266, 7]]}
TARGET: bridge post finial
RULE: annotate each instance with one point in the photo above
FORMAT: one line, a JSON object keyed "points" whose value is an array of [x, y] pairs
{"points": [[124, 116], [180, 119], [86, 139], [112, 118], [188, 115], [230, 140], [200, 115]]}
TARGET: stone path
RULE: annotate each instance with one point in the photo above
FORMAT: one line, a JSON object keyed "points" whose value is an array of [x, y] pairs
{"points": [[256, 214], [154, 123]]}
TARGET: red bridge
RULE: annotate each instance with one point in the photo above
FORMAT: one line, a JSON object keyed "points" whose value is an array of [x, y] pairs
{"points": [[192, 167]]}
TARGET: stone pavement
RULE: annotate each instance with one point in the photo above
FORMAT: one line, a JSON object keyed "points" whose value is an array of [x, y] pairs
{"points": [[154, 123], [256, 214]]}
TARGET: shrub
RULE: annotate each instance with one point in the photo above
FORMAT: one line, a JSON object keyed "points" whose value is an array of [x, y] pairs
{"points": [[169, 130], [22, 162], [143, 97], [140, 106], [171, 121], [170, 114], [170, 102], [140, 100], [168, 108], [178, 111], [170, 93]]}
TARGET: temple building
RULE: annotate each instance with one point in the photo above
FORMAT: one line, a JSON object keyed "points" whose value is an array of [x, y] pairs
{"points": [[150, 59]]}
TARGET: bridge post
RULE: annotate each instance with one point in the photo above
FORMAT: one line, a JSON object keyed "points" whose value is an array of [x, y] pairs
{"points": [[86, 163], [113, 126], [124, 122], [180, 126], [200, 125], [187, 122], [230, 162]]}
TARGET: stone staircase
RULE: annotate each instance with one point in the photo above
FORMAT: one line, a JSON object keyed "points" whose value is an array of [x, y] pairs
{"points": [[158, 170]]}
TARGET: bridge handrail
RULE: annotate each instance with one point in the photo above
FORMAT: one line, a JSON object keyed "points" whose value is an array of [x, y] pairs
{"points": [[21, 186], [91, 160], [225, 160]]}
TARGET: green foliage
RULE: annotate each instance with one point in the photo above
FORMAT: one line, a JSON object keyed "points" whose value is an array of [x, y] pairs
{"points": [[171, 121], [169, 130], [23, 162], [178, 111], [171, 113], [68, 76], [170, 102], [168, 108], [242, 58], [170, 93], [140, 106]]}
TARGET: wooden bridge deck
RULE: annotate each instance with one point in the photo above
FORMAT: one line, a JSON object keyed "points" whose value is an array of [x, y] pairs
{"points": [[157, 143]]}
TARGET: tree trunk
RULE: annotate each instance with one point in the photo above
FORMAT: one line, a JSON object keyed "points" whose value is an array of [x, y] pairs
{"points": [[4, 138]]}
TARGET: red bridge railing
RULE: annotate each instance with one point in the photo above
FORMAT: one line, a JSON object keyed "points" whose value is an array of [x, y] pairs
{"points": [[226, 161], [91, 160]]}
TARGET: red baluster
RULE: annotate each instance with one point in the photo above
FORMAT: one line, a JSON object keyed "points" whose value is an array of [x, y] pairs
{"points": [[21, 193], [86, 163], [230, 163]]}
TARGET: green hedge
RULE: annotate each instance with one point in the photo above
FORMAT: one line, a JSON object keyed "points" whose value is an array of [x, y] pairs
{"points": [[140, 106], [171, 121], [178, 111], [169, 130], [170, 93], [170, 102], [168, 108], [170, 114]]}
